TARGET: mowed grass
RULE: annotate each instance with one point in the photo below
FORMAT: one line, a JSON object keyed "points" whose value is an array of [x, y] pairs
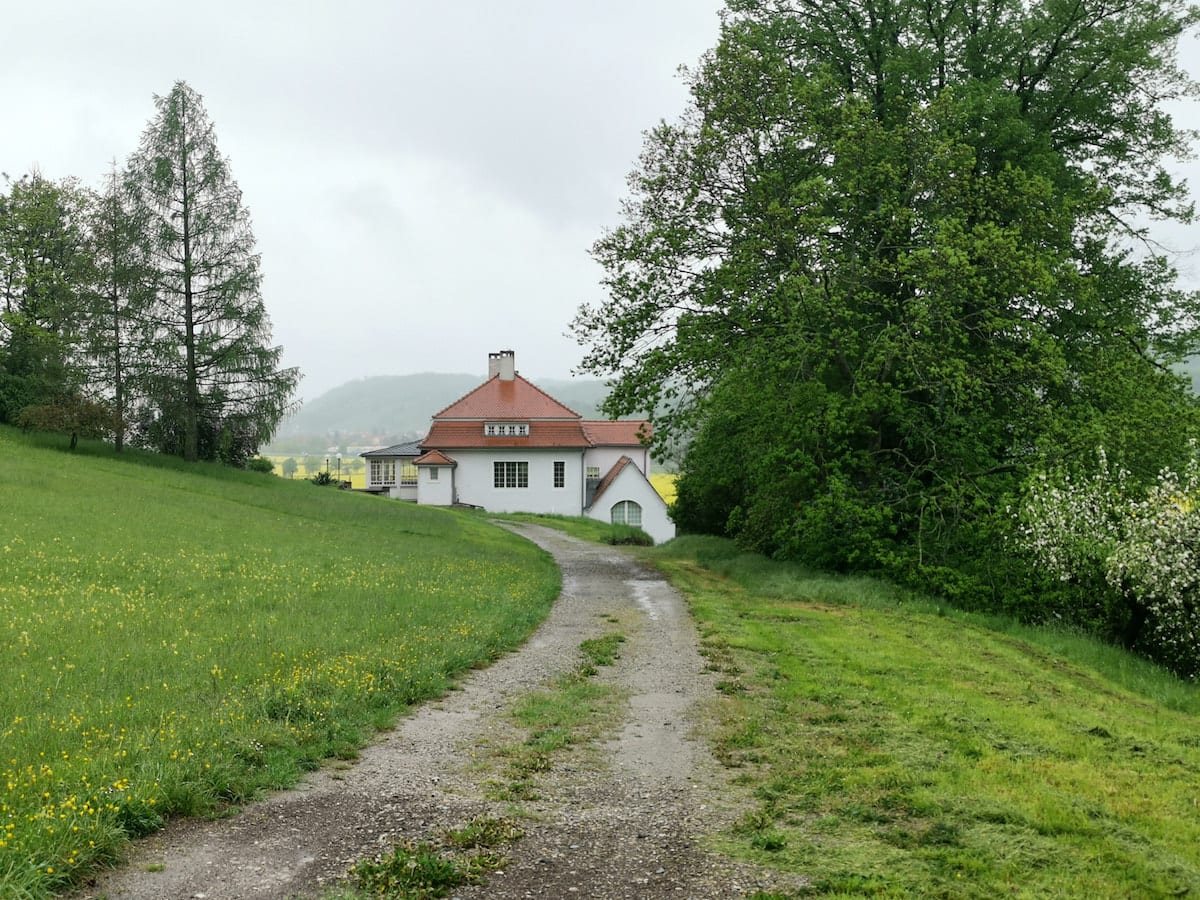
{"points": [[893, 748], [175, 639]]}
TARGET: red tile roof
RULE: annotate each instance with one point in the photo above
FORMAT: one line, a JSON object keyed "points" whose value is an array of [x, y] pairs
{"points": [[625, 433], [609, 478], [519, 400], [434, 458], [551, 424], [458, 435]]}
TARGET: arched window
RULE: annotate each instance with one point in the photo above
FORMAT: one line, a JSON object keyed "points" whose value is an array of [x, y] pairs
{"points": [[627, 512]]}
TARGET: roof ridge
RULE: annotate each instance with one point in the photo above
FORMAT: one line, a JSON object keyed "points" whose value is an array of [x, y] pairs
{"points": [[572, 416], [435, 455], [549, 396], [484, 383]]}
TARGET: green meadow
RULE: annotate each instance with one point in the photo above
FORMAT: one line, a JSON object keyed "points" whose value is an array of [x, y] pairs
{"points": [[176, 639], [893, 747]]}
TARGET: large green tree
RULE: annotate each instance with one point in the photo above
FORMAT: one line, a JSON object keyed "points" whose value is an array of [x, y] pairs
{"points": [[218, 389], [893, 255], [45, 279]]}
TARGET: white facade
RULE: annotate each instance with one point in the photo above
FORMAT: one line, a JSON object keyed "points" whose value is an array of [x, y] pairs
{"points": [[602, 459], [475, 480], [630, 486], [401, 492], [436, 485], [390, 471]]}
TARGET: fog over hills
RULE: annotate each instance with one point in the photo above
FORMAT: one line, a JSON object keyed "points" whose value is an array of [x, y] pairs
{"points": [[390, 408]]}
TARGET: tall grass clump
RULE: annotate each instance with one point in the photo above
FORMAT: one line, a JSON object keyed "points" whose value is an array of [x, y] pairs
{"points": [[177, 638]]}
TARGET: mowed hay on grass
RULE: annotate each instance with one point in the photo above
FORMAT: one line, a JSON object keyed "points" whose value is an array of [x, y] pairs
{"points": [[175, 639], [899, 749]]}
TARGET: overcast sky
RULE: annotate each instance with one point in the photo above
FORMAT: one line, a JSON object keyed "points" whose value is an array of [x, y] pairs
{"points": [[424, 179]]}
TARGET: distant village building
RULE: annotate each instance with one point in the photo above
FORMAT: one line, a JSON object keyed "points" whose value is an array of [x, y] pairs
{"points": [[508, 446]]}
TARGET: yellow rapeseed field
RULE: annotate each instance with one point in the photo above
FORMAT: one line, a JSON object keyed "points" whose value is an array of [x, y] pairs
{"points": [[664, 483]]}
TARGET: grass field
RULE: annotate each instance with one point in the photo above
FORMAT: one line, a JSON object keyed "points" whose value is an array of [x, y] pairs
{"points": [[897, 748], [352, 469], [176, 638]]}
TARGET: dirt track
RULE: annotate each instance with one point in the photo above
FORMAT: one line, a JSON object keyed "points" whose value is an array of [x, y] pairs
{"points": [[620, 819]]}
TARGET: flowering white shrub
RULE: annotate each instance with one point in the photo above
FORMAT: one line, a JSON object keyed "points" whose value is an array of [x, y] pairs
{"points": [[1145, 544]]}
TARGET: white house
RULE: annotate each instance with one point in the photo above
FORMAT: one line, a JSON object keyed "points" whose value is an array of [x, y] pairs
{"points": [[508, 446], [391, 470]]}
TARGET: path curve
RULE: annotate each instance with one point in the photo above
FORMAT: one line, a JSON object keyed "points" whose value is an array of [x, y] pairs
{"points": [[620, 821]]}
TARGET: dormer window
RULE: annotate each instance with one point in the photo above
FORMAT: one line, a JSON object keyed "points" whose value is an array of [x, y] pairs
{"points": [[506, 429]]}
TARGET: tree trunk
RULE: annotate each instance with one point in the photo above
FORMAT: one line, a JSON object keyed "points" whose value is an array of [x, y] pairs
{"points": [[191, 418]]}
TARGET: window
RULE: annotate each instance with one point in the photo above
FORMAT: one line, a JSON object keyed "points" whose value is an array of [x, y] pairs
{"points": [[383, 471], [560, 473], [593, 472], [408, 473], [506, 429], [510, 474], [433, 473], [627, 512]]}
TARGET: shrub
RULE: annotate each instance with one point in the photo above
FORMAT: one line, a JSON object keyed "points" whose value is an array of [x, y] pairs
{"points": [[261, 464], [627, 534], [1139, 547], [74, 416], [324, 478]]}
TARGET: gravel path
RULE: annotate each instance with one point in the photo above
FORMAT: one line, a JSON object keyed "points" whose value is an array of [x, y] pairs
{"points": [[619, 819]]}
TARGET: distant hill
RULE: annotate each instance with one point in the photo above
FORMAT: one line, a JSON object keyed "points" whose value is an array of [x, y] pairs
{"points": [[390, 408]]}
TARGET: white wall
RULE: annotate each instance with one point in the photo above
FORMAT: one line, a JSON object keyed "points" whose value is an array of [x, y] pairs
{"points": [[474, 480], [607, 457], [437, 491], [403, 492], [630, 485]]}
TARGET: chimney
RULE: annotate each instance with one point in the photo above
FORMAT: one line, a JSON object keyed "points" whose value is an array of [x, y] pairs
{"points": [[503, 364]]}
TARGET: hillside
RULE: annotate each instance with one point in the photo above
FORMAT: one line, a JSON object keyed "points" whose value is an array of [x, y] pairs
{"points": [[177, 638], [180, 638], [900, 748], [389, 408]]}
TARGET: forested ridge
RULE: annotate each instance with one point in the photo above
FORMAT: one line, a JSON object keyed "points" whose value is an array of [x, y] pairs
{"points": [[395, 408]]}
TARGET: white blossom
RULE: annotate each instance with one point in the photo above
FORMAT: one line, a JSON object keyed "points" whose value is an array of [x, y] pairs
{"points": [[1145, 545]]}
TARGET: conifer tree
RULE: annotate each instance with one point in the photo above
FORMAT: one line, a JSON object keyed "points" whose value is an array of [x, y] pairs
{"points": [[217, 388], [115, 335]]}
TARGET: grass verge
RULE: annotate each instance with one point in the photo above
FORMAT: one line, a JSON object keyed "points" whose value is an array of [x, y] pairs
{"points": [[177, 638], [896, 748], [583, 528], [572, 709], [428, 869]]}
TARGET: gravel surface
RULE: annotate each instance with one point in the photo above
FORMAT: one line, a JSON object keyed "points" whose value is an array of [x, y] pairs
{"points": [[623, 817]]}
